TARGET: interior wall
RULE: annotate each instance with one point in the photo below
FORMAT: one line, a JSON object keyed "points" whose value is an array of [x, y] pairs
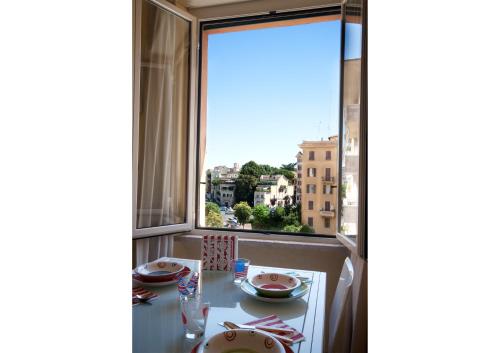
{"points": [[317, 257]]}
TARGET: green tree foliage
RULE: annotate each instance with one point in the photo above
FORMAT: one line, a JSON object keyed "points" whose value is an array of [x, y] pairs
{"points": [[276, 216], [251, 168], [291, 229], [260, 217], [289, 166], [245, 188], [214, 219], [216, 181], [211, 207], [242, 211], [306, 229]]}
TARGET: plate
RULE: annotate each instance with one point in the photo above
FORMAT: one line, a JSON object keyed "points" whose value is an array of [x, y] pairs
{"points": [[274, 284], [137, 280], [159, 271], [296, 293], [248, 341]]}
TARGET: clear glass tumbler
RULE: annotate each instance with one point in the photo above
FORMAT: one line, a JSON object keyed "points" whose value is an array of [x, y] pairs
{"points": [[194, 315], [240, 270]]}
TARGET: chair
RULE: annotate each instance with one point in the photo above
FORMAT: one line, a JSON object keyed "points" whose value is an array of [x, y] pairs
{"points": [[341, 312], [218, 252]]}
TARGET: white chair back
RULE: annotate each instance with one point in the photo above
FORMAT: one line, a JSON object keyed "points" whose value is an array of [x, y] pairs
{"points": [[341, 312]]}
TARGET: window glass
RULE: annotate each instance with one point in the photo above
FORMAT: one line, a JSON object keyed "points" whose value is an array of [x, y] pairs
{"points": [[351, 121]]}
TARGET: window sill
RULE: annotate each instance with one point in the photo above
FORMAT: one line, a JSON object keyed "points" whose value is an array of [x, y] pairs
{"points": [[269, 237]]}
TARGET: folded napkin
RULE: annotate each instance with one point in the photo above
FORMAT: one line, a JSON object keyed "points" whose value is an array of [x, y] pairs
{"points": [[275, 321], [143, 292]]}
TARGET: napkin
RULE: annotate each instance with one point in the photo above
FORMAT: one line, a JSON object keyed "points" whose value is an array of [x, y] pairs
{"points": [[144, 292], [275, 321]]}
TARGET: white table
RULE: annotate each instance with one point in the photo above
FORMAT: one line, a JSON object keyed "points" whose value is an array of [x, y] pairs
{"points": [[157, 326]]}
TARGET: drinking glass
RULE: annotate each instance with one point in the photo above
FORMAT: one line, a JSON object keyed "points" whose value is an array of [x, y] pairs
{"points": [[240, 270], [194, 315]]}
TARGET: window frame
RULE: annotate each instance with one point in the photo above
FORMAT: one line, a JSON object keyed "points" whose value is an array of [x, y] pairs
{"points": [[192, 133], [249, 21]]}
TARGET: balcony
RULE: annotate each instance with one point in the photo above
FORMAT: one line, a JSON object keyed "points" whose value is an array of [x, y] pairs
{"points": [[329, 180], [327, 213]]}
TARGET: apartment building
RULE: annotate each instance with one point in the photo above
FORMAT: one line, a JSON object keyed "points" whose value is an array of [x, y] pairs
{"points": [[298, 179], [221, 184], [273, 190], [318, 183], [223, 192]]}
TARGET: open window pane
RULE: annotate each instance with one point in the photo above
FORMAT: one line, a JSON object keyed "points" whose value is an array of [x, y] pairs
{"points": [[161, 129], [270, 116], [350, 154]]}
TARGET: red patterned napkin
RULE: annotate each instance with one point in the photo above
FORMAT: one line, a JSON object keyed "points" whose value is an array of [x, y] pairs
{"points": [[144, 292], [275, 321]]}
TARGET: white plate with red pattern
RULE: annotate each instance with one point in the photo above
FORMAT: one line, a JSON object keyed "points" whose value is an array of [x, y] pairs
{"points": [[245, 341], [294, 295], [274, 285]]}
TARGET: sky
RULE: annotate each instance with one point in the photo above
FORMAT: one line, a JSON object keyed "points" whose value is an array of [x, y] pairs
{"points": [[270, 89]]}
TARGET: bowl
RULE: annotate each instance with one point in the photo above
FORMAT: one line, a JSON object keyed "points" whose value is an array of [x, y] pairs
{"points": [[274, 285], [159, 271], [248, 341]]}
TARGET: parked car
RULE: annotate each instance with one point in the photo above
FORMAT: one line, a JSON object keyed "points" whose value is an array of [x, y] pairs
{"points": [[223, 209], [229, 210]]}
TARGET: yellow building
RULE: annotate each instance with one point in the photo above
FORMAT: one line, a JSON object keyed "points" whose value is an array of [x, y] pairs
{"points": [[318, 183]]}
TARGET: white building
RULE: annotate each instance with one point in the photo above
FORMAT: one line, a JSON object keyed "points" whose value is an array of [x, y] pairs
{"points": [[224, 192], [273, 190]]}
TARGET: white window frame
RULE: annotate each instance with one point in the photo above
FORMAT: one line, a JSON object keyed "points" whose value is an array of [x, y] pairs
{"points": [[192, 148]]}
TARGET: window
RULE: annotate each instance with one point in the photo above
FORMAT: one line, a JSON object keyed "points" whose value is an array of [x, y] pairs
{"points": [[161, 148], [327, 189], [327, 222], [311, 188], [328, 155], [327, 205], [328, 174], [238, 68], [310, 222], [311, 205]]}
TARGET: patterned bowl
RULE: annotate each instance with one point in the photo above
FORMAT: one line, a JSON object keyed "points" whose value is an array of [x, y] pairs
{"points": [[158, 271], [248, 341], [274, 285]]}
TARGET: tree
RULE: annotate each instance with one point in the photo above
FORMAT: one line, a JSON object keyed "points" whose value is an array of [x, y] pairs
{"points": [[291, 228], [243, 212], [214, 219], [211, 207], [306, 229], [245, 188], [251, 168], [260, 217], [289, 166], [276, 216]]}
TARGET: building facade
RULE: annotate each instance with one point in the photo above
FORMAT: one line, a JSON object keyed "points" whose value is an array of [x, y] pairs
{"points": [[273, 190], [298, 179], [224, 192], [318, 182]]}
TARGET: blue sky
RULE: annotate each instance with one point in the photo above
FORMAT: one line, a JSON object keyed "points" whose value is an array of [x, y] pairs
{"points": [[270, 89]]}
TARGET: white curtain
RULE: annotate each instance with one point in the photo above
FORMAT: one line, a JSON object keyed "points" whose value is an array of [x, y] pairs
{"points": [[163, 118], [150, 249]]}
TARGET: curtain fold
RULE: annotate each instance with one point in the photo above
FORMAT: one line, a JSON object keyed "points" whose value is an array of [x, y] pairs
{"points": [[163, 118], [150, 249]]}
